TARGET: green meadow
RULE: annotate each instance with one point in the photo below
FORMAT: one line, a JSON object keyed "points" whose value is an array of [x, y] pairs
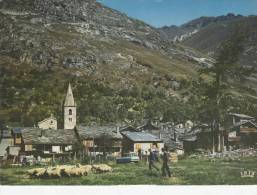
{"points": [[185, 172]]}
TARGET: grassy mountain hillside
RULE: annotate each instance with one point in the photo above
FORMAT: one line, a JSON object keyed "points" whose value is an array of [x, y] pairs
{"points": [[109, 58]]}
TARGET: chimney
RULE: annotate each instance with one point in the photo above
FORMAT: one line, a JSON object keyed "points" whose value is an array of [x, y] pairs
{"points": [[41, 133], [117, 129]]}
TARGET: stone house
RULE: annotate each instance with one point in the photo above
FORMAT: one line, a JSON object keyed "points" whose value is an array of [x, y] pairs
{"points": [[48, 123], [6, 140], [243, 134], [100, 140], [241, 131], [46, 142], [140, 141]]}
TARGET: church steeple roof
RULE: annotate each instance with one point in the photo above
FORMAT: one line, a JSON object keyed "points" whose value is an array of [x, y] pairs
{"points": [[69, 100]]}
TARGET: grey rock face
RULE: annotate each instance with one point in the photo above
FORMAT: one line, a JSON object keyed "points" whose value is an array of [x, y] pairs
{"points": [[81, 34]]}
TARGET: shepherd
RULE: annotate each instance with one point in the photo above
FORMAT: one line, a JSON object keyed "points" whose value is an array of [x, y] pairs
{"points": [[165, 167], [152, 158]]}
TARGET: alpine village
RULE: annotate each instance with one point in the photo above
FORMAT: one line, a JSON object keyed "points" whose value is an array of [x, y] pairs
{"points": [[91, 94]]}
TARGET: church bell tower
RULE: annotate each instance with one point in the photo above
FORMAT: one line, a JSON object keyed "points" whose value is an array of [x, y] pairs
{"points": [[70, 110]]}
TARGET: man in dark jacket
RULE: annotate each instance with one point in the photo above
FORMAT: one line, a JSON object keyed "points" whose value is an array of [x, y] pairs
{"points": [[165, 167], [152, 158]]}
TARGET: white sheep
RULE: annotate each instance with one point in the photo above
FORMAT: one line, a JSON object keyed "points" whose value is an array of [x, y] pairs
{"points": [[37, 172], [53, 172], [102, 168]]}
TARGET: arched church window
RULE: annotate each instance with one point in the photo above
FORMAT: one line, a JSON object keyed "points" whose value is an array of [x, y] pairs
{"points": [[70, 111]]}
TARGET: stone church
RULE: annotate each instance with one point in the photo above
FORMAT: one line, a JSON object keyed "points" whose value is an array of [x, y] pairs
{"points": [[69, 114], [70, 110]]}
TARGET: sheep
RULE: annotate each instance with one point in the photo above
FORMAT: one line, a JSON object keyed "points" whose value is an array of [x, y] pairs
{"points": [[32, 172], [53, 172], [65, 171], [68, 170], [71, 171], [86, 169], [75, 171], [102, 168], [39, 172]]}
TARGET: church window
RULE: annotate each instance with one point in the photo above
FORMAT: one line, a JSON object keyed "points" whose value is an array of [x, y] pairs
{"points": [[70, 119], [70, 111]]}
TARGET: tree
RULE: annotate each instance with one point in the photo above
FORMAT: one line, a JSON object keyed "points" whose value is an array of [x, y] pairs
{"points": [[214, 92]]}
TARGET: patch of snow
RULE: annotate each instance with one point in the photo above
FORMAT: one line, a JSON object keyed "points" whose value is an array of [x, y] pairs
{"points": [[180, 38]]}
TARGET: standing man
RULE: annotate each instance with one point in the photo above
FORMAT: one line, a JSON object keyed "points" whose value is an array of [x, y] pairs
{"points": [[139, 153], [151, 160], [165, 167]]}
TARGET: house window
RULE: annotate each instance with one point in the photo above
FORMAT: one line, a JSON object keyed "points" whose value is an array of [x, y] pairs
{"points": [[70, 111], [70, 119]]}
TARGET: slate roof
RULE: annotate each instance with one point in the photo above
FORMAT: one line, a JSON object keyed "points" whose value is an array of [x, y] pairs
{"points": [[48, 137], [17, 129], [147, 126], [89, 132], [243, 116], [6, 133], [128, 128], [245, 122], [141, 137]]}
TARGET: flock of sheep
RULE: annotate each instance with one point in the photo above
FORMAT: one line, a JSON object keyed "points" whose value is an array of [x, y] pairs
{"points": [[68, 171]]}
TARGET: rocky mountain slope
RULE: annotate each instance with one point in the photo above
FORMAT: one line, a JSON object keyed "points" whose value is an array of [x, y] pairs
{"points": [[110, 59], [205, 34], [187, 30]]}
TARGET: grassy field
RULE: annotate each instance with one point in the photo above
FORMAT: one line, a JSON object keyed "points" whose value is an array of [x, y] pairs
{"points": [[185, 172]]}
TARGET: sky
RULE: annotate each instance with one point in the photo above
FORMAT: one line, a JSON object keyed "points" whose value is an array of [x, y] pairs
{"points": [[176, 12]]}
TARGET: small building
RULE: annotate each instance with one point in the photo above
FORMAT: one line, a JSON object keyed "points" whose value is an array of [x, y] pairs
{"points": [[243, 134], [100, 140], [199, 139], [135, 141], [240, 118], [48, 123], [46, 142], [5, 141]]}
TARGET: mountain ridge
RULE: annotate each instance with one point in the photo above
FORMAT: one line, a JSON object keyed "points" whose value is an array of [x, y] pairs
{"points": [[179, 33]]}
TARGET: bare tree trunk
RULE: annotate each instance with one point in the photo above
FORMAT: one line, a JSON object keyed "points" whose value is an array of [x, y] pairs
{"points": [[213, 138], [219, 142]]}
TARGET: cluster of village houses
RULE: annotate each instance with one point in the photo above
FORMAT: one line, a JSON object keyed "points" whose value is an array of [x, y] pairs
{"points": [[47, 140]]}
